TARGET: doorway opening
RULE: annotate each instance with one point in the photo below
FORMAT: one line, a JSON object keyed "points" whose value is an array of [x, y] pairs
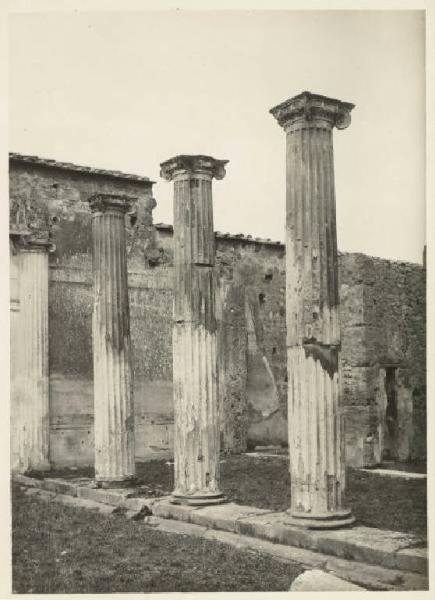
{"points": [[390, 451]]}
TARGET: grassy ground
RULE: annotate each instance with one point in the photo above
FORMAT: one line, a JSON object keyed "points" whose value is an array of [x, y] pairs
{"points": [[60, 549], [384, 502]]}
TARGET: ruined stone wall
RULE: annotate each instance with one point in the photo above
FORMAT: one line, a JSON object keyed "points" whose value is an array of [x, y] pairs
{"points": [[57, 199], [383, 327], [251, 339], [382, 323]]}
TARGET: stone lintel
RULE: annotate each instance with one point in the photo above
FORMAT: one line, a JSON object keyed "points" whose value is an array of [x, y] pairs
{"points": [[185, 165], [311, 108], [114, 202]]}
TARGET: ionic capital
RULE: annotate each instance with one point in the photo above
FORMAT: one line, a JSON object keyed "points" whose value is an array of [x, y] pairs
{"points": [[312, 110], [186, 166], [101, 203], [27, 240]]}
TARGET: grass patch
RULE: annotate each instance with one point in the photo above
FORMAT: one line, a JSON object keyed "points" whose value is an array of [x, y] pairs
{"points": [[61, 549]]}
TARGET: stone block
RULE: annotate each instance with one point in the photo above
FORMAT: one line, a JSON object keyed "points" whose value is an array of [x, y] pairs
{"points": [[115, 497], [33, 491], [413, 559], [24, 480], [180, 528], [320, 581], [81, 503], [167, 510], [364, 544], [375, 576], [225, 516], [60, 486]]}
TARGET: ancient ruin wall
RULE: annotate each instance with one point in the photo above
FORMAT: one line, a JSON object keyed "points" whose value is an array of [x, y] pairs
{"points": [[58, 198], [382, 320], [383, 328]]}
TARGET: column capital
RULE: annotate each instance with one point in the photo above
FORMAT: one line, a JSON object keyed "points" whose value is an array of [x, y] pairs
{"points": [[29, 240], [312, 110], [100, 203], [186, 166]]}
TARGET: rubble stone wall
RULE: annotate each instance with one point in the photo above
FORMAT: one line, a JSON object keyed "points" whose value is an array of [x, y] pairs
{"points": [[382, 324]]}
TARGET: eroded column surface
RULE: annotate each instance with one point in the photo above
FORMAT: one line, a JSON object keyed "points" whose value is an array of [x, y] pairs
{"points": [[113, 390], [196, 410], [30, 419], [316, 442]]}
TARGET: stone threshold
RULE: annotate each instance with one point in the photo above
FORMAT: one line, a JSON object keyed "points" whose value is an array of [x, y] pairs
{"points": [[388, 549]]}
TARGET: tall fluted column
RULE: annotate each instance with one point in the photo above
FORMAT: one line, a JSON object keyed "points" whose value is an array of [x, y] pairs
{"points": [[29, 356], [316, 441], [196, 410], [113, 389], [14, 370]]}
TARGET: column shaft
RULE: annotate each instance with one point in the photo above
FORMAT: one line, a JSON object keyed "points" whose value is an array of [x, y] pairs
{"points": [[316, 443], [113, 398], [29, 347], [195, 380]]}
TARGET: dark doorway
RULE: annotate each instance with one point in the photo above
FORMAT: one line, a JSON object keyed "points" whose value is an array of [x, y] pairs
{"points": [[391, 417]]}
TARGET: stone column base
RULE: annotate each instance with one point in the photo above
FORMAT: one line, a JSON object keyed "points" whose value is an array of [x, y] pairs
{"points": [[333, 520], [198, 499], [116, 483]]}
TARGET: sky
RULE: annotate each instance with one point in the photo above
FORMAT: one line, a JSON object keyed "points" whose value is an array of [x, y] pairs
{"points": [[128, 90]]}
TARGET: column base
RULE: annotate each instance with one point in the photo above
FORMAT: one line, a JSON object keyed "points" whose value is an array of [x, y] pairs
{"points": [[333, 520], [198, 499], [116, 483]]}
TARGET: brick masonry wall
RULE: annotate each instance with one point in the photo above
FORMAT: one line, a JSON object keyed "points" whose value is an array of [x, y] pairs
{"points": [[382, 320]]}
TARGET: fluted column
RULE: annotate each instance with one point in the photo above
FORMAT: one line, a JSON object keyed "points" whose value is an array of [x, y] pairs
{"points": [[15, 369], [30, 418], [113, 389], [196, 410], [316, 441]]}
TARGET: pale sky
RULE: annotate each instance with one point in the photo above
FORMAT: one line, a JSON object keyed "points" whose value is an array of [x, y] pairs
{"points": [[128, 90]]}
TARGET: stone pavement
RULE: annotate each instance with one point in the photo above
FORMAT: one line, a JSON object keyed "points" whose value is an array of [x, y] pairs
{"points": [[395, 473], [373, 558]]}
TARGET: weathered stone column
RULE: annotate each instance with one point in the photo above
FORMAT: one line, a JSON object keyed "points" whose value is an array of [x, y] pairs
{"points": [[316, 443], [113, 389], [29, 355], [196, 411]]}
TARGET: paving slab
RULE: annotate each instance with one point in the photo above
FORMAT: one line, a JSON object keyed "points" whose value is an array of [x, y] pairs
{"points": [[24, 480], [106, 496], [224, 516], [369, 576], [393, 473], [60, 486], [375, 576], [363, 544], [85, 504], [319, 581], [33, 491], [165, 509], [412, 558], [179, 527]]}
